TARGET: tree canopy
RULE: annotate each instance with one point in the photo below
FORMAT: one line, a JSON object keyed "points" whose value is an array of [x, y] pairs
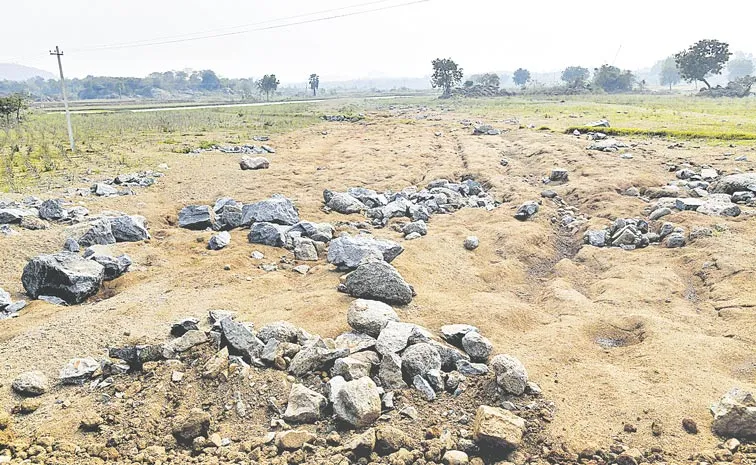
{"points": [[268, 84], [669, 75], [702, 59], [486, 79], [521, 76], [11, 107], [612, 79], [314, 83], [446, 74], [575, 76]]}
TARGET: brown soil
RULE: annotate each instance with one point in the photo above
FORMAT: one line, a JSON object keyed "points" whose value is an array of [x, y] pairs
{"points": [[611, 336]]}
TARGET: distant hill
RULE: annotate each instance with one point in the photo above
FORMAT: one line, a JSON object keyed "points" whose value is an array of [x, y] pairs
{"points": [[12, 72]]}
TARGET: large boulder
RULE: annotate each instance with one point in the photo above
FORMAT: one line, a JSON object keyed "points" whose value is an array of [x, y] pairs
{"points": [[305, 405], [277, 209], [358, 402], [64, 275], [270, 234], [52, 210], [477, 347], [98, 232], [11, 215], [419, 359], [228, 217], [378, 281], [196, 217], [511, 375], [395, 337], [31, 383], [735, 415], [349, 251], [254, 163], [344, 203], [314, 358], [734, 183], [241, 340], [496, 428], [370, 316], [129, 228]]}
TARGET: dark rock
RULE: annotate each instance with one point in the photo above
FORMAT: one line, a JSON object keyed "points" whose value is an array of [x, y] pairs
{"points": [[219, 241], [349, 251], [71, 245], [181, 327], [64, 275], [52, 210], [419, 359], [195, 424], [277, 209], [114, 266], [129, 228], [100, 232], [270, 234], [378, 281], [241, 341], [526, 210], [196, 217]]}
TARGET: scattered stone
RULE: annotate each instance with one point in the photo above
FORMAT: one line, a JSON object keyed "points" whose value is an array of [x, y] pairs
{"points": [[305, 250], [348, 252], [301, 269], [103, 190], [78, 370], [294, 439], [269, 234], [313, 358], [196, 217], [418, 227], [114, 266], [52, 210], [350, 368], [31, 383], [64, 275], [471, 243], [219, 241], [735, 415], [390, 372], [558, 175], [354, 341], [453, 334], [659, 213], [690, 426], [71, 245], [277, 209], [510, 374], [471, 369], [305, 405], [378, 281], [455, 457], [100, 232], [424, 387], [477, 347], [282, 331], [254, 163], [344, 203], [526, 210], [195, 424]]}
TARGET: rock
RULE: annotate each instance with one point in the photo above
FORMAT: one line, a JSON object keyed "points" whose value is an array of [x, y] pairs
{"points": [[64, 275], [453, 380], [228, 217], [294, 439], [180, 327], [719, 205], [33, 223], [71, 245], [270, 234], [312, 359], [390, 372], [31, 383], [195, 424], [526, 210], [11, 215], [354, 341], [183, 343], [277, 209], [735, 415], [734, 183], [370, 316], [419, 359], [690, 203], [732, 445], [436, 380], [216, 364], [350, 368], [743, 196], [558, 175], [5, 299], [301, 269], [358, 403], [305, 405], [378, 281], [361, 445], [471, 369], [659, 213], [389, 439], [78, 370], [449, 355], [305, 250], [196, 217], [477, 347], [675, 240], [320, 232], [455, 457], [690, 426], [241, 340], [100, 232], [549, 194], [349, 251], [344, 203], [511, 375], [91, 422], [596, 237], [497, 428], [129, 228], [101, 189], [394, 337], [416, 227], [471, 243], [425, 389], [52, 210], [254, 163], [453, 334], [114, 266], [282, 331], [219, 241]]}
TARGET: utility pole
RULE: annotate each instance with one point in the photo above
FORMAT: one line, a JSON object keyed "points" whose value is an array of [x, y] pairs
{"points": [[59, 54]]}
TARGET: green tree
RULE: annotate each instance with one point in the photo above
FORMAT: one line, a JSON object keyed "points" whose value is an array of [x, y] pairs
{"points": [[702, 59], [314, 83], [575, 76], [612, 79], [12, 106], [669, 75], [446, 74], [268, 84], [738, 68], [521, 76], [489, 79], [210, 80]]}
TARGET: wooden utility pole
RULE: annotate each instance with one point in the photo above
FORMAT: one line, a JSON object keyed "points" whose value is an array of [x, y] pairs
{"points": [[59, 54]]}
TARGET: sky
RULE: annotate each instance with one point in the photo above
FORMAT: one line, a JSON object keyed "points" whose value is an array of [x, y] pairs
{"points": [[481, 36]]}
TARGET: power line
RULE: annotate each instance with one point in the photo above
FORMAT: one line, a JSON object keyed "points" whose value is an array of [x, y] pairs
{"points": [[207, 31], [279, 26]]}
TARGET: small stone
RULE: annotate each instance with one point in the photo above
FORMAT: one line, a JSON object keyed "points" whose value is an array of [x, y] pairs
{"points": [[358, 403], [305, 405], [419, 359], [526, 210], [219, 241], [690, 426], [91, 422], [455, 457], [177, 376], [498, 428], [471, 369], [471, 243], [195, 424], [254, 163], [477, 347], [294, 439], [510, 374], [425, 389], [656, 428]]}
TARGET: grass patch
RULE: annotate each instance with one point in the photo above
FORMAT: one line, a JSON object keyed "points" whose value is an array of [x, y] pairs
{"points": [[668, 133]]}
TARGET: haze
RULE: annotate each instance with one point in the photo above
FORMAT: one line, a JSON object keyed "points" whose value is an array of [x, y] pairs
{"points": [[486, 35]]}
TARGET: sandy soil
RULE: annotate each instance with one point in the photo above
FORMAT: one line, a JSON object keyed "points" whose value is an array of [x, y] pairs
{"points": [[687, 314]]}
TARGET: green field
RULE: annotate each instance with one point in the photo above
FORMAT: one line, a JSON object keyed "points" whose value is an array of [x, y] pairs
{"points": [[36, 152]]}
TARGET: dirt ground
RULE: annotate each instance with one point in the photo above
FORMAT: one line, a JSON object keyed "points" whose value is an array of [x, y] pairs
{"points": [[686, 315]]}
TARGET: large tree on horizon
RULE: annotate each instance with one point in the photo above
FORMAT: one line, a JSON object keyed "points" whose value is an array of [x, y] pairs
{"points": [[314, 83], [268, 84], [702, 59], [446, 74]]}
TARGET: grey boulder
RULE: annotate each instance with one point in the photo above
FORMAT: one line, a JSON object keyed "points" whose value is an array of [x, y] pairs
{"points": [[254, 163], [526, 210], [99, 232], [114, 266], [378, 281], [358, 402], [219, 241], [31, 383], [735, 415], [419, 359], [349, 251], [270, 234], [277, 209], [477, 347], [344, 203], [196, 217], [370, 316], [129, 228], [734, 183], [52, 210], [64, 275], [305, 405], [510, 373]]}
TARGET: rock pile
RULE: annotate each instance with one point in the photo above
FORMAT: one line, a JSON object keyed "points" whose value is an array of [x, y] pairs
{"points": [[243, 149], [603, 144], [139, 179], [485, 130], [635, 233], [35, 214], [439, 196], [343, 118]]}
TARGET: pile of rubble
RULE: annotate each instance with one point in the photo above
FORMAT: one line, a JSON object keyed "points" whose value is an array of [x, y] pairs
{"points": [[125, 182], [387, 391], [275, 222], [33, 213], [481, 91], [704, 191], [635, 233], [343, 118], [439, 196], [241, 149]]}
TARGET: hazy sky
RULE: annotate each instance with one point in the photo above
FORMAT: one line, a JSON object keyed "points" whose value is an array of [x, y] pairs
{"points": [[481, 35]]}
